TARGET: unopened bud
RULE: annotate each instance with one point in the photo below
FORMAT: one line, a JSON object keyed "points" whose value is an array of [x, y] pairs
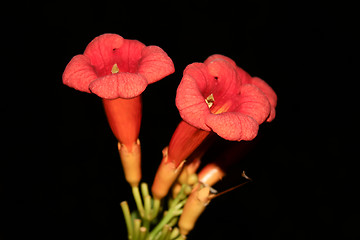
{"points": [[193, 208], [211, 174]]}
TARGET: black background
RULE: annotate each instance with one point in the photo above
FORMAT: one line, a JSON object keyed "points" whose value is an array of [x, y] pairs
{"points": [[63, 177]]}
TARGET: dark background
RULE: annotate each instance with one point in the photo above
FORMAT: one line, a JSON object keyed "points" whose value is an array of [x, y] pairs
{"points": [[63, 178]]}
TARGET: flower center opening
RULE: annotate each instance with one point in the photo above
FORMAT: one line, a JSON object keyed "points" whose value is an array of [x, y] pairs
{"points": [[210, 100], [115, 69]]}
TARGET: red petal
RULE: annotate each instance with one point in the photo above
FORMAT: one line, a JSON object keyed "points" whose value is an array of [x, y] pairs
{"points": [[155, 64], [243, 75], [233, 126], [100, 51], [128, 55], [254, 103], [191, 103], [227, 82], [79, 73], [269, 93], [205, 82], [219, 56], [123, 85]]}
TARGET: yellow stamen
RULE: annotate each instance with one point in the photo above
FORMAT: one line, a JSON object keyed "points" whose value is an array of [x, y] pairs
{"points": [[115, 69], [210, 100]]}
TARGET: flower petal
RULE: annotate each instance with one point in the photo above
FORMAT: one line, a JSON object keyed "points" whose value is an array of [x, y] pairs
{"points": [[269, 93], [79, 73], [253, 102], [219, 56], [227, 82], [233, 126], [243, 75], [124, 85], [155, 64], [191, 103], [101, 51], [128, 55], [199, 72]]}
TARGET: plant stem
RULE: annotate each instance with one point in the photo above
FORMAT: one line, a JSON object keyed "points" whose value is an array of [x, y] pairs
{"points": [[156, 208], [143, 233], [144, 190], [165, 232], [126, 211], [178, 197], [137, 225], [161, 224], [173, 211], [147, 206], [174, 233], [138, 201]]}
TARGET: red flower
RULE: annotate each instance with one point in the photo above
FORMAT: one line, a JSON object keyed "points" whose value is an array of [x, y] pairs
{"points": [[214, 96], [118, 70], [113, 67], [219, 96]]}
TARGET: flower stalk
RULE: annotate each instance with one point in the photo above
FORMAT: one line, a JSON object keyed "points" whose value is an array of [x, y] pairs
{"points": [[163, 229], [127, 216], [173, 211]]}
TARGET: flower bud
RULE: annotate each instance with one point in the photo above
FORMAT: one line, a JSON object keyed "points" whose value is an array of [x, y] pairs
{"points": [[193, 208], [211, 174]]}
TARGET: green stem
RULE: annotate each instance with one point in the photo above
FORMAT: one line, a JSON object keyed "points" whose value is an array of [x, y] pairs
{"points": [[173, 211], [147, 206], [144, 189], [173, 221], [137, 225], [138, 201], [174, 233], [165, 233], [126, 211], [161, 224], [143, 233], [178, 197], [156, 208]]}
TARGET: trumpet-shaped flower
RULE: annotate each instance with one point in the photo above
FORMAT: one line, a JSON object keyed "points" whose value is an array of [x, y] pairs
{"points": [[118, 70], [214, 96], [219, 96]]}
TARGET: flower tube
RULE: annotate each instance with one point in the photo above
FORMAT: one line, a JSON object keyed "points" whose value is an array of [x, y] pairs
{"points": [[184, 141], [118, 70]]}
